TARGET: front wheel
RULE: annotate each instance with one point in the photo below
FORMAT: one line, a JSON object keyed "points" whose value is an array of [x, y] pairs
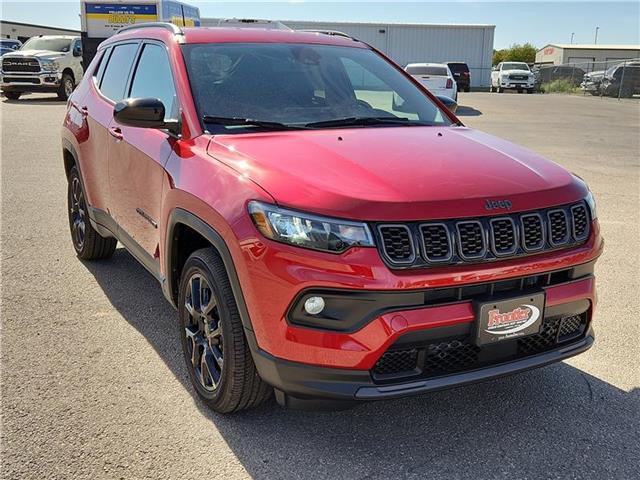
{"points": [[12, 95], [66, 86], [215, 349], [87, 242], [529, 90]]}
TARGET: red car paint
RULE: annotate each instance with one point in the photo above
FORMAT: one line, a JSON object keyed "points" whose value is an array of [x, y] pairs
{"points": [[365, 174]]}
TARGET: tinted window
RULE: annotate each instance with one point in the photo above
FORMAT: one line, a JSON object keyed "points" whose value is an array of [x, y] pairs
{"points": [[97, 73], [296, 84], [117, 71], [458, 67], [515, 66], [427, 70], [153, 78]]}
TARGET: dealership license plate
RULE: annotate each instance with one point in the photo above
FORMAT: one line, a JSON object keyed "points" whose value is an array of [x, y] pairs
{"points": [[509, 319]]}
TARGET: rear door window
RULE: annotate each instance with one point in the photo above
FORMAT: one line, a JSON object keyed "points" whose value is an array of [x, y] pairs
{"points": [[153, 78], [117, 70], [97, 73]]}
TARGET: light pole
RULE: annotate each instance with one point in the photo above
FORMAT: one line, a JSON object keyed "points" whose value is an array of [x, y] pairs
{"points": [[572, 38], [596, 39]]}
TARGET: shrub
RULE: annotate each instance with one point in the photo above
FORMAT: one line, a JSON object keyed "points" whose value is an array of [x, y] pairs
{"points": [[561, 85]]}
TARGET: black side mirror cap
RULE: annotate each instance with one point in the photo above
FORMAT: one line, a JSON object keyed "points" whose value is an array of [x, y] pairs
{"points": [[143, 113], [450, 103]]}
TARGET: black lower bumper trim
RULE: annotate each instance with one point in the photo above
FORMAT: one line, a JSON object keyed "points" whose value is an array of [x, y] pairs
{"points": [[303, 381]]}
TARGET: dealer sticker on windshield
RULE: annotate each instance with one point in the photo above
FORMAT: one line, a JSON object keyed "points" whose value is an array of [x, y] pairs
{"points": [[509, 319]]}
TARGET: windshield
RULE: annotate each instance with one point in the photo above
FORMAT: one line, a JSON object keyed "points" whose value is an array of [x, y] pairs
{"points": [[299, 85], [427, 70], [514, 66], [44, 43]]}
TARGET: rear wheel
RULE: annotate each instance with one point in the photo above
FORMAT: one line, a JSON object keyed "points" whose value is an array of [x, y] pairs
{"points": [[67, 85], [467, 89], [215, 349], [12, 95], [88, 244]]}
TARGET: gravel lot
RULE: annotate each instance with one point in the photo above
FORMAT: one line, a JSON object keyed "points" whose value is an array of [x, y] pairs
{"points": [[93, 384]]}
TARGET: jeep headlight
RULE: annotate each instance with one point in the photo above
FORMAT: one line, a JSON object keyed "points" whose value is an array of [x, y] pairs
{"points": [[49, 65], [591, 203], [308, 230]]}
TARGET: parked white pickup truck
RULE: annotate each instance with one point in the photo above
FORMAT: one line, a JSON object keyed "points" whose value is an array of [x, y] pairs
{"points": [[437, 77], [42, 64], [512, 76]]}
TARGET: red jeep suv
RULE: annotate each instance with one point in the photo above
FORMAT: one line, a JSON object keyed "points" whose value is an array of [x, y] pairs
{"points": [[325, 228]]}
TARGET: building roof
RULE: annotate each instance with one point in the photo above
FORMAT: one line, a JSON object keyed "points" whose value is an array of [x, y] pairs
{"points": [[592, 46], [34, 25], [207, 20]]}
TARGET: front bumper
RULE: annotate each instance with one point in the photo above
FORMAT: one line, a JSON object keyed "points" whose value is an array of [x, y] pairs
{"points": [[517, 84], [30, 82], [297, 383]]}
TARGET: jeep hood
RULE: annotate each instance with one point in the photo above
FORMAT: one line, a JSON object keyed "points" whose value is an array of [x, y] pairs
{"points": [[396, 173], [516, 72]]}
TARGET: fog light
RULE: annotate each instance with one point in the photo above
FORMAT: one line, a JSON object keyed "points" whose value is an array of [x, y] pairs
{"points": [[314, 305]]}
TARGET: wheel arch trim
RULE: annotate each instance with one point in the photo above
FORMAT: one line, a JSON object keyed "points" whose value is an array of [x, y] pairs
{"points": [[179, 216]]}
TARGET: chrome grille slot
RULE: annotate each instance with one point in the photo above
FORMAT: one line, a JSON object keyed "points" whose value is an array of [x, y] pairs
{"points": [[397, 243], [436, 242], [579, 222], [471, 241], [503, 236], [532, 232], [558, 227]]}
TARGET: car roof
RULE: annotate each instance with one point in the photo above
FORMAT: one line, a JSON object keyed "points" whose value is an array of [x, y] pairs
{"points": [[191, 35]]}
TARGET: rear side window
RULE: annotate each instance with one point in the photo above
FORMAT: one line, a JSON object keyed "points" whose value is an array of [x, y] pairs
{"points": [[153, 78], [97, 73], [425, 70], [117, 70]]}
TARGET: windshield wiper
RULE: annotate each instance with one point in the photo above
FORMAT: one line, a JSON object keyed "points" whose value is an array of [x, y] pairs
{"points": [[249, 122], [364, 121]]}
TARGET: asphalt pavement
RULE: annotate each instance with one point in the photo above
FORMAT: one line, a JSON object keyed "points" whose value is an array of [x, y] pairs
{"points": [[94, 386]]}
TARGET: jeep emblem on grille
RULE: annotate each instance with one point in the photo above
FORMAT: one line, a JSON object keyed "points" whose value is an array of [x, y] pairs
{"points": [[496, 204]]}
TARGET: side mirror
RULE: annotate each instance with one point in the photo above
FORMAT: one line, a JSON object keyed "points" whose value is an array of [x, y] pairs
{"points": [[140, 112], [77, 51], [451, 104]]}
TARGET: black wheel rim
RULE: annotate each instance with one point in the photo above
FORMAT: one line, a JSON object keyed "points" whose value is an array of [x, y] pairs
{"points": [[203, 332], [77, 214]]}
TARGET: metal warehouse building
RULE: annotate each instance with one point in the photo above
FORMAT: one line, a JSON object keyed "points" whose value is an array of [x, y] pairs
{"points": [[559, 53], [24, 31], [407, 42]]}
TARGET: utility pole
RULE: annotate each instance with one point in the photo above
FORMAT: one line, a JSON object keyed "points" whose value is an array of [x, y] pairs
{"points": [[572, 38], [596, 39]]}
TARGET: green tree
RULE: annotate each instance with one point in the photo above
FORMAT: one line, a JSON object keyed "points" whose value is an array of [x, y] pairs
{"points": [[515, 53]]}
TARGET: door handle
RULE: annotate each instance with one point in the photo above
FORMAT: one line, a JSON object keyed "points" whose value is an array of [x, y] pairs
{"points": [[116, 133]]}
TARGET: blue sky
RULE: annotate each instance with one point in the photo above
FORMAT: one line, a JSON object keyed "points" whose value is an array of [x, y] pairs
{"points": [[516, 21]]}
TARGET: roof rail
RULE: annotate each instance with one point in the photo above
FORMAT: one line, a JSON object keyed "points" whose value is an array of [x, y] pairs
{"points": [[335, 33], [176, 30]]}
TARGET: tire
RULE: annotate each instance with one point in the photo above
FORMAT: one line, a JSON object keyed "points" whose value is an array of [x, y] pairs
{"points": [[492, 89], [529, 90], [467, 89], [215, 349], [88, 244], [12, 95], [499, 90], [519, 90], [67, 85]]}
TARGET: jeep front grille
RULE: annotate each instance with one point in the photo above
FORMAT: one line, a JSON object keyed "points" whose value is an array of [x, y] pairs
{"points": [[419, 244], [20, 65]]}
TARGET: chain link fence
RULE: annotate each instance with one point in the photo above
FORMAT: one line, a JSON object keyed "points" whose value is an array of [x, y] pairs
{"points": [[611, 78]]}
